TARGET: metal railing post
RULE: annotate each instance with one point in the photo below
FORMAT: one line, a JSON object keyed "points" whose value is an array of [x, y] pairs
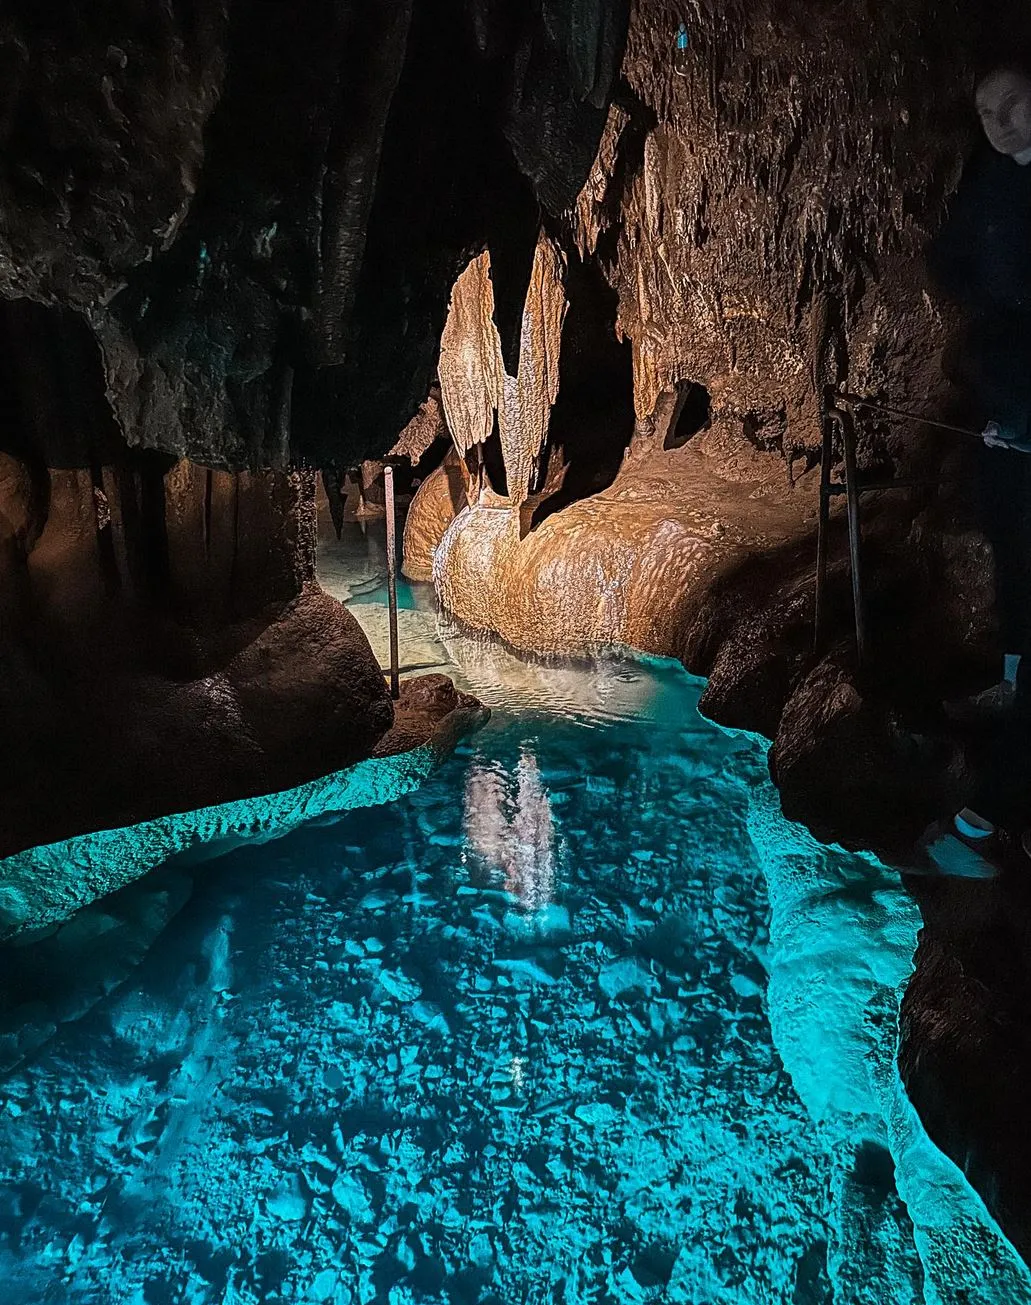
{"points": [[826, 459], [388, 484], [848, 436], [845, 422], [839, 409]]}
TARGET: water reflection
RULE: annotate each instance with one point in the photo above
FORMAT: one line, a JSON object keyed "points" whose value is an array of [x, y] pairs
{"points": [[594, 691], [509, 827]]}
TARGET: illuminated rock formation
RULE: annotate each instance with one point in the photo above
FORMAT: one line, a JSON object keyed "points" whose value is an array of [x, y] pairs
{"points": [[760, 206], [476, 390]]}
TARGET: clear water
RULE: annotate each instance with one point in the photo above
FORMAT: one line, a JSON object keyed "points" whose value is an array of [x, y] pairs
{"points": [[354, 568], [580, 1020]]}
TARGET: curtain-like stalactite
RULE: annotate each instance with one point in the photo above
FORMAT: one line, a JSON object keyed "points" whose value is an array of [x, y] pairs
{"points": [[477, 391]]}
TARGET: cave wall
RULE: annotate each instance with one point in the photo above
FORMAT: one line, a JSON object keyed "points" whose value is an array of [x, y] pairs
{"points": [[228, 233], [763, 205]]}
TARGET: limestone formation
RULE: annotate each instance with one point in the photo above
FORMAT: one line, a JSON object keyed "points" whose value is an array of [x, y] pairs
{"points": [[477, 391], [472, 371], [530, 395], [760, 207], [422, 432]]}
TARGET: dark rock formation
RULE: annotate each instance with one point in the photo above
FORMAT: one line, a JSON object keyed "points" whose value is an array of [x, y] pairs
{"points": [[229, 235], [966, 1045], [262, 210]]}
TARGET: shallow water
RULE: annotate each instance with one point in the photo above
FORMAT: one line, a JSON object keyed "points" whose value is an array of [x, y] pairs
{"points": [[582, 1019]]}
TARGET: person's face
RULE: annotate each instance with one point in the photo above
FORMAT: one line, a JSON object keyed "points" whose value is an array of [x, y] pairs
{"points": [[1004, 107]]}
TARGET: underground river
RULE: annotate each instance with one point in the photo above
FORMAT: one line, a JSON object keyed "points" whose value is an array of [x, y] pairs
{"points": [[580, 1019]]}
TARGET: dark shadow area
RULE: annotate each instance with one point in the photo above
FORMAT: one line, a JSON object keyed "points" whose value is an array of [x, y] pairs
{"points": [[493, 461], [965, 1054], [411, 477], [157, 632], [593, 419], [53, 408], [695, 414]]}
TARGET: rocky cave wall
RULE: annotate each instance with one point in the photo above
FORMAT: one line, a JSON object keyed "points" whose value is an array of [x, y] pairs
{"points": [[763, 202], [764, 207], [761, 206], [228, 234], [262, 211], [258, 218]]}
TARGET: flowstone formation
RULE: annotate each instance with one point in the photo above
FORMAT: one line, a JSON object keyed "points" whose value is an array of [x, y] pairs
{"points": [[758, 210], [224, 265]]}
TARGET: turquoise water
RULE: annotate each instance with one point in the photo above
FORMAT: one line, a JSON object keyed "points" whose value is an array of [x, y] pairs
{"points": [[579, 1020], [354, 568]]}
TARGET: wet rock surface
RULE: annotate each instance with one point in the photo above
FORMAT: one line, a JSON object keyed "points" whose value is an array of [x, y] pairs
{"points": [[966, 1040], [290, 694], [431, 709], [45, 886], [679, 559]]}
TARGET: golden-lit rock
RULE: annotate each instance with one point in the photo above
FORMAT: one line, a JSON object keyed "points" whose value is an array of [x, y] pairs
{"points": [[475, 388], [437, 502], [631, 566]]}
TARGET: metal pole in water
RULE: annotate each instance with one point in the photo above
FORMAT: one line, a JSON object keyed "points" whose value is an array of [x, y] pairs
{"points": [[388, 484]]}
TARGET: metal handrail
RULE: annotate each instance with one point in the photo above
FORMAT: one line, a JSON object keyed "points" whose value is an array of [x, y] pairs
{"points": [[838, 412], [884, 410]]}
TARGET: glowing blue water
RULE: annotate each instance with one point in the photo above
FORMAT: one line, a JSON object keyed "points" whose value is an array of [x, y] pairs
{"points": [[530, 1034], [354, 568]]}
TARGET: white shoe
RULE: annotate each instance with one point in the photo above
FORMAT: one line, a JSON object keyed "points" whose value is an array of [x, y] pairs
{"points": [[969, 825], [991, 704]]}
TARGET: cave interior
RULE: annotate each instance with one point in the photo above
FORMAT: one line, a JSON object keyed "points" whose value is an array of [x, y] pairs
{"points": [[588, 274]]}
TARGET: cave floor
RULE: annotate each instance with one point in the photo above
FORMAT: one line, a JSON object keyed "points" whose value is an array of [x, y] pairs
{"points": [[581, 1019]]}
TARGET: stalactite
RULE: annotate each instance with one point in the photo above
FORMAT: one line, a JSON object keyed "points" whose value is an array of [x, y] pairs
{"points": [[475, 388], [470, 367], [426, 427], [529, 397]]}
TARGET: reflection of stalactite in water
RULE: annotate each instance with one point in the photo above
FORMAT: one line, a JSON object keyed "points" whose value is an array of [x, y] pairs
{"points": [[509, 827], [486, 823], [534, 830]]}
